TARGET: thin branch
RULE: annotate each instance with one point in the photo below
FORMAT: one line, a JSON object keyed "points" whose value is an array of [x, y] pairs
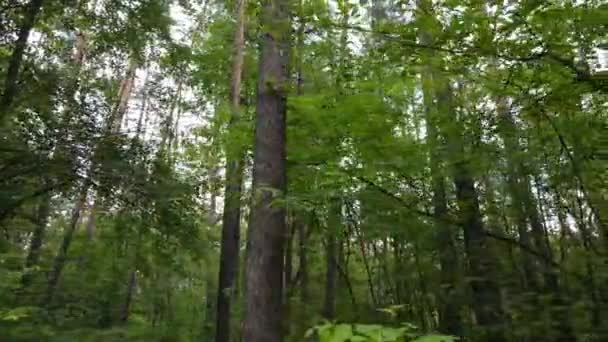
{"points": [[489, 234]]}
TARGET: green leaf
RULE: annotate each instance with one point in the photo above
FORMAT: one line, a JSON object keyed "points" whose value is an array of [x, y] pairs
{"points": [[436, 338]]}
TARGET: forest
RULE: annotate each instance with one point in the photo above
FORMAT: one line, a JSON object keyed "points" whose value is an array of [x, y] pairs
{"points": [[304, 170]]}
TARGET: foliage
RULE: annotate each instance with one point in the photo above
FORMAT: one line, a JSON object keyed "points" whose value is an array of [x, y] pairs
{"points": [[425, 141], [372, 333]]}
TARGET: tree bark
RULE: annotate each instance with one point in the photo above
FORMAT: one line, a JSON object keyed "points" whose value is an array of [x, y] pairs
{"points": [[33, 255], [483, 264], [124, 95], [331, 271], [14, 66], [126, 308], [231, 220], [368, 270], [303, 261], [112, 127], [288, 270], [527, 212], [449, 310], [487, 301], [266, 236], [61, 257]]}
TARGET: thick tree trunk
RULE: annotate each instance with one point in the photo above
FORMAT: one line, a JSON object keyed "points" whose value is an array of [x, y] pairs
{"points": [[231, 220], [14, 66], [483, 264], [266, 236], [487, 298], [487, 302]]}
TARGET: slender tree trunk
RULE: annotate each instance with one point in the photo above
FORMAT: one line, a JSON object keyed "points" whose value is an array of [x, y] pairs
{"points": [[288, 277], [209, 310], [303, 261], [143, 114], [331, 272], [33, 255], [131, 285], [124, 95], [266, 236], [368, 270], [288, 270], [302, 310], [517, 187], [449, 316], [44, 209], [112, 127], [423, 302], [449, 311], [61, 257], [527, 211], [14, 66], [115, 121], [231, 220]]}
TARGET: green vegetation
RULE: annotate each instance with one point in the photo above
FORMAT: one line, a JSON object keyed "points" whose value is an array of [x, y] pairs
{"points": [[293, 170]]}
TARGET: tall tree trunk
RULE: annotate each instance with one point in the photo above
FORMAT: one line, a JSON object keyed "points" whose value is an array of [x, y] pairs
{"points": [[331, 270], [115, 122], [266, 236], [112, 127], [423, 302], [517, 187], [288, 270], [487, 298], [44, 208], [126, 308], [483, 264], [591, 285], [124, 95], [303, 261], [368, 270], [143, 114], [449, 316], [33, 255], [209, 310], [527, 212], [288, 277], [449, 311], [68, 235], [14, 66], [231, 220]]}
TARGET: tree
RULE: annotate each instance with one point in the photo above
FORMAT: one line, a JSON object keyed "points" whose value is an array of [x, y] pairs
{"points": [[266, 235], [12, 75], [437, 169], [229, 253]]}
